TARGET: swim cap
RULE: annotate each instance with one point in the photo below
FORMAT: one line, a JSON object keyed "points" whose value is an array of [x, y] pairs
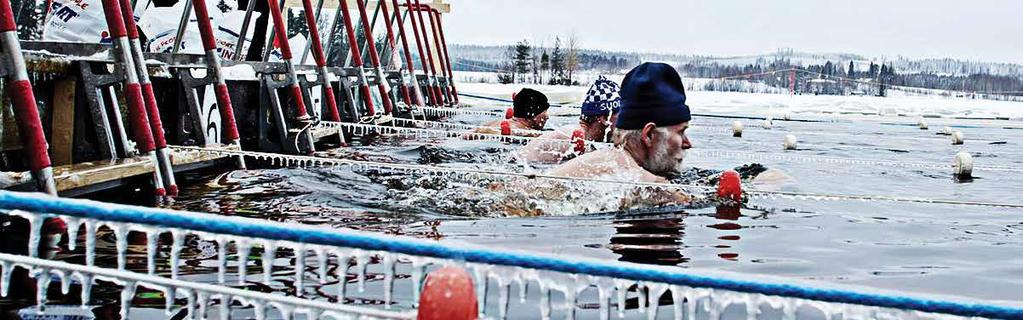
{"points": [[652, 92], [528, 103], [602, 98]]}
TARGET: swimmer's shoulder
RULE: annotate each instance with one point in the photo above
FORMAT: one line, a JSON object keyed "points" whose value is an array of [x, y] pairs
{"points": [[492, 123], [598, 163]]}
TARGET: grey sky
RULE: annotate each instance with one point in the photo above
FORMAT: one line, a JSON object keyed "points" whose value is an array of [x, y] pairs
{"points": [[985, 30]]}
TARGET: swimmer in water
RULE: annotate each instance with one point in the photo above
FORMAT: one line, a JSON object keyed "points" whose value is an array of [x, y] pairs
{"points": [[650, 144], [649, 139], [530, 108], [598, 112]]}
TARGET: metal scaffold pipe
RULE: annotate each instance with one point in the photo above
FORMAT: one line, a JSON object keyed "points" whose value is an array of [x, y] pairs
{"points": [[133, 91], [152, 109], [25, 109]]}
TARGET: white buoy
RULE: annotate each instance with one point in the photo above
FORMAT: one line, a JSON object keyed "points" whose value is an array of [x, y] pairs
{"points": [[957, 138], [947, 131], [922, 124], [737, 129], [790, 142], [767, 123], [962, 166]]}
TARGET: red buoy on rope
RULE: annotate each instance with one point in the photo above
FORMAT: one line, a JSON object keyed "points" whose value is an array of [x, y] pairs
{"points": [[506, 128], [448, 295], [729, 186], [579, 140], [509, 113]]}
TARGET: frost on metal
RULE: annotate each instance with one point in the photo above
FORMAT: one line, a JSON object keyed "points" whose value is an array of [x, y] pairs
{"points": [[348, 276]]}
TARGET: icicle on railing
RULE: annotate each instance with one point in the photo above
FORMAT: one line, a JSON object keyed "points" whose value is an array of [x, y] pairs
{"points": [[198, 294], [360, 166], [458, 126], [447, 112], [571, 287], [518, 136]]}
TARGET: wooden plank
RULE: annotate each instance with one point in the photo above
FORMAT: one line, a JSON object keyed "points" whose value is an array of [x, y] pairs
{"points": [[79, 175], [63, 129]]}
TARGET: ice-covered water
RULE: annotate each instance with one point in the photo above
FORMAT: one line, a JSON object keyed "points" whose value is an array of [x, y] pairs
{"points": [[964, 251], [939, 249]]}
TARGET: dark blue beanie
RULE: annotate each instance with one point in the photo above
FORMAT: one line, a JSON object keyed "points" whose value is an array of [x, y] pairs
{"points": [[652, 92]]}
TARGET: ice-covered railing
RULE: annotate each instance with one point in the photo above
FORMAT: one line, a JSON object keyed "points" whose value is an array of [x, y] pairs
{"points": [[557, 285]]}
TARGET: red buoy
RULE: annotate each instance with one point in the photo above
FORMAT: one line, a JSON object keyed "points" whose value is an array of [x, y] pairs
{"points": [[448, 295], [506, 128], [54, 225], [579, 140], [729, 186], [509, 113]]}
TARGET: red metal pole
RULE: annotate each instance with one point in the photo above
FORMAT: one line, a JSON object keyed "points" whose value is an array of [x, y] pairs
{"points": [[132, 90], [209, 44], [447, 57], [25, 109], [440, 54], [422, 55], [417, 95], [282, 39], [394, 47], [321, 61], [353, 45], [429, 54], [374, 58], [152, 109]]}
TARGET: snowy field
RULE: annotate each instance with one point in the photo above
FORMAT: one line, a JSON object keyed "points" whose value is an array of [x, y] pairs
{"points": [[775, 105]]}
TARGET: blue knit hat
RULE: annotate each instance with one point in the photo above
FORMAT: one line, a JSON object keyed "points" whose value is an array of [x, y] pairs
{"points": [[652, 92], [602, 98]]}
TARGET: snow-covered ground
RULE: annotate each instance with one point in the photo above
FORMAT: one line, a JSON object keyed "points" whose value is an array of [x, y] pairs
{"points": [[766, 104]]}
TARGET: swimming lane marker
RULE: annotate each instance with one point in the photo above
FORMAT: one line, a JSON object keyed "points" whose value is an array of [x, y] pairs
{"points": [[790, 142]]}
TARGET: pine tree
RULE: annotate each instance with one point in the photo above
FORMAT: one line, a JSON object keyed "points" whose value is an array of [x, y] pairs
{"points": [[521, 59], [852, 70], [557, 62], [545, 64]]}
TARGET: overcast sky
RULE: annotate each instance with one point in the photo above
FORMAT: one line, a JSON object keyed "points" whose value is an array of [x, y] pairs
{"points": [[985, 30]]}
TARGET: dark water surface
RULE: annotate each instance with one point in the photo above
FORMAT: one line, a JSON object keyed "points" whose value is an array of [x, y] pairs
{"points": [[922, 248], [932, 249]]}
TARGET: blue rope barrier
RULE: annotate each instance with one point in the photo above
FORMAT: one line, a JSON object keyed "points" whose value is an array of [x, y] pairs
{"points": [[255, 228]]}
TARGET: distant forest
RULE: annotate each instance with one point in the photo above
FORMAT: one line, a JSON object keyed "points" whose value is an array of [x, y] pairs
{"points": [[841, 74]]}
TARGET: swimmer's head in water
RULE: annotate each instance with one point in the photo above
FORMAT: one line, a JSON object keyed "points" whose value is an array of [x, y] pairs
{"points": [[660, 150], [531, 105], [652, 93], [601, 101]]}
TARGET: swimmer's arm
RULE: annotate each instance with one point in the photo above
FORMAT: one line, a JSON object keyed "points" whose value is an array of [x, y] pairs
{"points": [[655, 196], [551, 147], [486, 128], [772, 180]]}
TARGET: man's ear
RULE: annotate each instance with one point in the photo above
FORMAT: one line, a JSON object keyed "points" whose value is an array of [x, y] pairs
{"points": [[647, 135]]}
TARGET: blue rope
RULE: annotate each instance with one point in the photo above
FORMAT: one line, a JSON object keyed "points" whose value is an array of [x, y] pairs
{"points": [[352, 239]]}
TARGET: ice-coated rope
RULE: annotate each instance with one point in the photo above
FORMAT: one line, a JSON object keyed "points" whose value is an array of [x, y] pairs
{"points": [[359, 128], [310, 161]]}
